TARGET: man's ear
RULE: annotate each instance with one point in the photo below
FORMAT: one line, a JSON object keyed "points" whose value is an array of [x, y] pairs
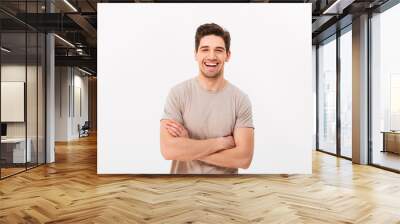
{"points": [[228, 56]]}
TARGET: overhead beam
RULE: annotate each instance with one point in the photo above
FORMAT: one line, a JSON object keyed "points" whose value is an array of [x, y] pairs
{"points": [[49, 22], [322, 20], [331, 30], [83, 23], [338, 6], [85, 61]]}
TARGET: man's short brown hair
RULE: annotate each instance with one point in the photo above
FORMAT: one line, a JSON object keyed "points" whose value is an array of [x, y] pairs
{"points": [[212, 29]]}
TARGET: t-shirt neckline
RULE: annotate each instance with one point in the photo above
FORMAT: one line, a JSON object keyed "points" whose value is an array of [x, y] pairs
{"points": [[197, 83]]}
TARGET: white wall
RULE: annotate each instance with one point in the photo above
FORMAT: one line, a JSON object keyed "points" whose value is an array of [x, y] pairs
{"points": [[271, 62], [80, 84], [314, 88], [68, 81], [61, 103]]}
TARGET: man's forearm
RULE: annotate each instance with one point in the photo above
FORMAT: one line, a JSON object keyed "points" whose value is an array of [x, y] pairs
{"points": [[232, 158], [185, 149]]}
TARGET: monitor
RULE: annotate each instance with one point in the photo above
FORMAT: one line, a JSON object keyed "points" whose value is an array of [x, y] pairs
{"points": [[3, 129]]}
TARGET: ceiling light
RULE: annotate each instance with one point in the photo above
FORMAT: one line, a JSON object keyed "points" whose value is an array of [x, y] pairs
{"points": [[84, 71], [5, 50], [337, 7], [64, 40], [70, 5]]}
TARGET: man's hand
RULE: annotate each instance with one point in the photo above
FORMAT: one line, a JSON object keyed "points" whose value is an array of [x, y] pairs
{"points": [[238, 157], [227, 142], [176, 145], [176, 129]]}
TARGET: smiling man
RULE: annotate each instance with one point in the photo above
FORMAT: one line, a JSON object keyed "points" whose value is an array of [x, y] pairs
{"points": [[207, 126]]}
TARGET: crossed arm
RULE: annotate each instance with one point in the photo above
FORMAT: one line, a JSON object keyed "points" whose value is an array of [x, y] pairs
{"points": [[231, 151]]}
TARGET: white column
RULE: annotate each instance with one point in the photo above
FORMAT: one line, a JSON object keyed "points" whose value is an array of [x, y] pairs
{"points": [[50, 92]]}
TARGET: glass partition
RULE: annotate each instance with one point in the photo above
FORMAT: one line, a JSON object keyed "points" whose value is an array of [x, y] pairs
{"points": [[22, 67], [32, 95], [346, 93], [327, 96], [13, 109], [41, 109], [385, 89]]}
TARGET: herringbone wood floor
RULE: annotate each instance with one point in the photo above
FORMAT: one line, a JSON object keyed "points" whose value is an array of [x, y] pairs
{"points": [[70, 191]]}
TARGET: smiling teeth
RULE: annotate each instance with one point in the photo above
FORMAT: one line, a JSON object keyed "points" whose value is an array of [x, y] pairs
{"points": [[210, 64]]}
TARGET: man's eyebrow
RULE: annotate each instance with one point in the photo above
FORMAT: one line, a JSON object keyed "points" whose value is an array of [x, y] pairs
{"points": [[204, 47]]}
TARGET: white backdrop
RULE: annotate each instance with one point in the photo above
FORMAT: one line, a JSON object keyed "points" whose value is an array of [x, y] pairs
{"points": [[12, 101], [145, 49]]}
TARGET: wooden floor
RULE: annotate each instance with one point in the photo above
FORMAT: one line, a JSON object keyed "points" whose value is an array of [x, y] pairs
{"points": [[5, 172], [70, 191], [387, 159], [8, 171]]}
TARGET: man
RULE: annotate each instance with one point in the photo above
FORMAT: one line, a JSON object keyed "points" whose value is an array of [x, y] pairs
{"points": [[207, 126]]}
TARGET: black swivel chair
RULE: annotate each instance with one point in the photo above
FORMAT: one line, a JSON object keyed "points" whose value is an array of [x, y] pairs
{"points": [[84, 130]]}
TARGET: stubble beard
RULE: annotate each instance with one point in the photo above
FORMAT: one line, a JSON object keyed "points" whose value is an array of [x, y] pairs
{"points": [[212, 76]]}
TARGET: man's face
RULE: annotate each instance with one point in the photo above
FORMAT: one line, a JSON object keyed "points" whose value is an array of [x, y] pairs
{"points": [[211, 56]]}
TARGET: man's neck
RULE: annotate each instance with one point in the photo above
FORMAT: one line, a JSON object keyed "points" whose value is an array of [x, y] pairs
{"points": [[211, 84]]}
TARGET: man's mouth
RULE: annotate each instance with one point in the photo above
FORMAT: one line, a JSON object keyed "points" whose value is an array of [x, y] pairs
{"points": [[211, 64]]}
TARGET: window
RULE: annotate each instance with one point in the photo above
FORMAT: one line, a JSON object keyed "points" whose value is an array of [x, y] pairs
{"points": [[327, 96], [385, 89], [346, 93]]}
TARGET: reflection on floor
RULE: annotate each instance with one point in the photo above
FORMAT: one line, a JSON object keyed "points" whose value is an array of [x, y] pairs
{"points": [[386, 159], [346, 152], [11, 169]]}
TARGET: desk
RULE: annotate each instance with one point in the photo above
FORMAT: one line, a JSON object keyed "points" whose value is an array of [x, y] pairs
{"points": [[13, 150], [391, 141]]}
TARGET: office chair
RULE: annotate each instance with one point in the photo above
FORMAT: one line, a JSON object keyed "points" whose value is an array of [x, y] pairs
{"points": [[84, 130]]}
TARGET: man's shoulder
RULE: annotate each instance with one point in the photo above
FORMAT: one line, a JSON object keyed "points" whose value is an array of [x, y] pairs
{"points": [[242, 100], [238, 92], [183, 86]]}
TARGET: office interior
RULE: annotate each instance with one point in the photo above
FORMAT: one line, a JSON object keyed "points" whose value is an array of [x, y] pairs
{"points": [[47, 82], [48, 97]]}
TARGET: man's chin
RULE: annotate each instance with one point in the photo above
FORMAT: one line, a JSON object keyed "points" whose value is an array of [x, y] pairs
{"points": [[212, 76]]}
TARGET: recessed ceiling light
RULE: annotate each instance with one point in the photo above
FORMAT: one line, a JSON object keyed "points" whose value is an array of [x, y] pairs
{"points": [[5, 50], [64, 40], [84, 71], [70, 5], [337, 7]]}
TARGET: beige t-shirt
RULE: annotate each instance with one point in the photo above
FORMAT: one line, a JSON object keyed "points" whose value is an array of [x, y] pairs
{"points": [[205, 115]]}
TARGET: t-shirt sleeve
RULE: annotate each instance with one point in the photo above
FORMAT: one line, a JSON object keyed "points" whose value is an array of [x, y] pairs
{"points": [[244, 117], [172, 107]]}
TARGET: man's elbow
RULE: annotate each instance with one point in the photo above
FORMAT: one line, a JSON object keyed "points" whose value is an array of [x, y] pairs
{"points": [[166, 148], [169, 150], [166, 154], [245, 163]]}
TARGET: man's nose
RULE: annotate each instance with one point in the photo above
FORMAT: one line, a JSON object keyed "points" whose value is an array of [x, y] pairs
{"points": [[212, 55]]}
